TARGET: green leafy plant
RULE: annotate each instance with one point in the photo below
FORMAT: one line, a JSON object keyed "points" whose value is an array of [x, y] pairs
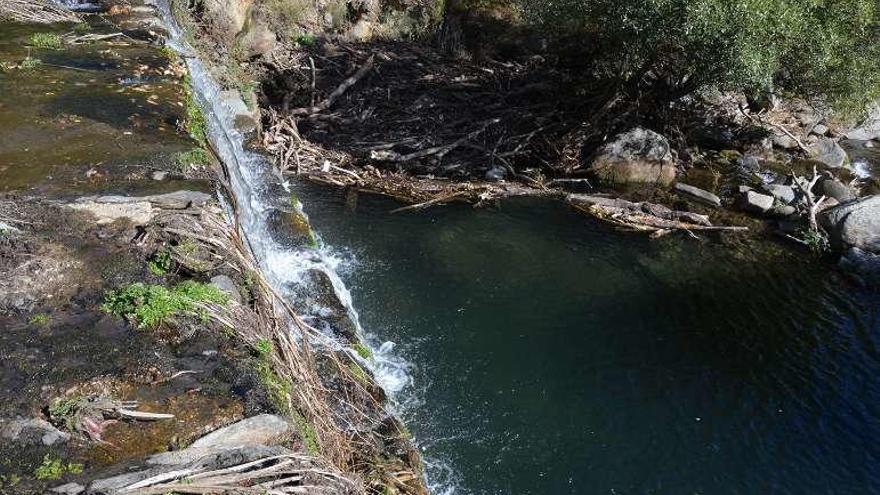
{"points": [[39, 319], [63, 411], [160, 263], [190, 159], [194, 119], [82, 28], [30, 63], [53, 468], [49, 41], [150, 305]]}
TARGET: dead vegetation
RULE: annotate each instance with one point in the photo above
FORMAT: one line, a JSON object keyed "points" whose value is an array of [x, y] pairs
{"points": [[340, 414], [35, 11], [404, 120]]}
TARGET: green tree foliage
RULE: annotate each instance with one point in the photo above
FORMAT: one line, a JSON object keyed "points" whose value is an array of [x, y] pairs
{"points": [[671, 48]]}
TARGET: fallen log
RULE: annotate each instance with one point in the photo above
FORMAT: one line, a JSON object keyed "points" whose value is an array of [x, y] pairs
{"points": [[644, 216]]}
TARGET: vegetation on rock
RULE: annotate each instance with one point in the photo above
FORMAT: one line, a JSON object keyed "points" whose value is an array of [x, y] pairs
{"points": [[150, 305]]}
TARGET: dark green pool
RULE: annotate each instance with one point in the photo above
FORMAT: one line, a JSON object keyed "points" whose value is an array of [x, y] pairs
{"points": [[551, 355]]}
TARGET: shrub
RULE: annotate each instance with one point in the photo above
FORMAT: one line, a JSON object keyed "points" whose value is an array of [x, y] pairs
{"points": [[150, 305], [49, 41], [671, 48]]}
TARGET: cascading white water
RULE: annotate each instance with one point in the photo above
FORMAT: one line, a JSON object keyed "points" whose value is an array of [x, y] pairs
{"points": [[260, 192]]}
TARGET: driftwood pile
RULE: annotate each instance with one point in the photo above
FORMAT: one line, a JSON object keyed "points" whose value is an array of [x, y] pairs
{"points": [[35, 11], [402, 108]]}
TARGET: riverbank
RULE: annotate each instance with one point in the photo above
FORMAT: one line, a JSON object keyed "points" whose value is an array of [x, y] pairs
{"points": [[137, 317]]}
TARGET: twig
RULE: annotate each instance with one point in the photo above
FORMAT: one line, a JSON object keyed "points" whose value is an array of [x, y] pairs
{"points": [[339, 91]]}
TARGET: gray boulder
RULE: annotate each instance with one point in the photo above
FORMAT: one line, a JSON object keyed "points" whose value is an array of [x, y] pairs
{"points": [[755, 202], [829, 152], [833, 188], [854, 224], [697, 194], [782, 193], [869, 129], [32, 431], [638, 156]]}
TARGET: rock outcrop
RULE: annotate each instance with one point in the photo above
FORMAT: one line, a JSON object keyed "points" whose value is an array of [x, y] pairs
{"points": [[638, 156]]}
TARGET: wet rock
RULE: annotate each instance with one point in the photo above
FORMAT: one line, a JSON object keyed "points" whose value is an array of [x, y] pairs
{"points": [[833, 188], [754, 202], [245, 120], [854, 224], [69, 489], [636, 156], [829, 152], [863, 265], [698, 194], [782, 193], [315, 297], [32, 431], [227, 286], [820, 129]]}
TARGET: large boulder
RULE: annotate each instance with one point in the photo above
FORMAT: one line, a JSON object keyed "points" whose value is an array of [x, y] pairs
{"points": [[829, 152], [854, 224], [833, 188], [228, 16], [638, 156]]}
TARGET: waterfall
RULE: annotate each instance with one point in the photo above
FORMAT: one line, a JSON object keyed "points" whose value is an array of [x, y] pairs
{"points": [[261, 194]]}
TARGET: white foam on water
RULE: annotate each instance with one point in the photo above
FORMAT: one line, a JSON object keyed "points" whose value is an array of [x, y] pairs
{"points": [[253, 181], [862, 169]]}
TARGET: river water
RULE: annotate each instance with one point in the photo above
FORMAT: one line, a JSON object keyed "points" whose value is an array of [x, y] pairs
{"points": [[551, 355]]}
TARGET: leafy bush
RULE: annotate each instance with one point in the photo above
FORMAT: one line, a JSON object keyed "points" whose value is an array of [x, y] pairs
{"points": [[50, 41], [671, 48], [150, 305]]}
